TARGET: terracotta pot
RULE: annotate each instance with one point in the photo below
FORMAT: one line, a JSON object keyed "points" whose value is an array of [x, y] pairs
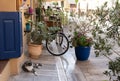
{"points": [[34, 50]]}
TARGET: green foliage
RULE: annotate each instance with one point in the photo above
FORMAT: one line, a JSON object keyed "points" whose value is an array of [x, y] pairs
{"points": [[39, 33], [106, 35], [106, 28], [79, 39], [55, 3], [40, 2], [114, 69], [54, 29], [39, 11], [72, 14], [76, 1], [115, 14], [49, 12], [64, 18], [81, 33]]}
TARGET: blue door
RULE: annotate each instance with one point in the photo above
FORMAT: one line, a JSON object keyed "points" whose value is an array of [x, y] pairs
{"points": [[10, 35]]}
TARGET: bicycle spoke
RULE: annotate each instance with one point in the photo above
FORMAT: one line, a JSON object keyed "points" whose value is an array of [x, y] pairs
{"points": [[59, 46]]}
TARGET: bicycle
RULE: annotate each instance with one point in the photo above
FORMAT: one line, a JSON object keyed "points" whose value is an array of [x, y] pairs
{"points": [[56, 42]]}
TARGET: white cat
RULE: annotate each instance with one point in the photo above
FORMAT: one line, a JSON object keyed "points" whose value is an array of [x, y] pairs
{"points": [[28, 66]]}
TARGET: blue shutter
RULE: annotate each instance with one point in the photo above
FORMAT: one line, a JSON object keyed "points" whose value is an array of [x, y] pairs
{"points": [[10, 35]]}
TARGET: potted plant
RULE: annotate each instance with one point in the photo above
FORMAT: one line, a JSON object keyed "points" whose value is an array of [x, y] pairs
{"points": [[39, 33], [82, 45], [28, 12], [35, 40], [81, 39], [28, 26]]}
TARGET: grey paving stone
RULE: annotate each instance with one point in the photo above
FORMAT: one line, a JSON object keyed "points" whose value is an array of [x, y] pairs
{"points": [[46, 78], [46, 72], [23, 77], [48, 67]]}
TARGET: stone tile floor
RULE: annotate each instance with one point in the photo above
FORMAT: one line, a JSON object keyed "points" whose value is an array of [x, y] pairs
{"points": [[66, 68], [90, 70], [51, 70]]}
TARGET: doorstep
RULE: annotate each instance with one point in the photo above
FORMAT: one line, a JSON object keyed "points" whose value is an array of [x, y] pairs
{"points": [[2, 65], [4, 70]]}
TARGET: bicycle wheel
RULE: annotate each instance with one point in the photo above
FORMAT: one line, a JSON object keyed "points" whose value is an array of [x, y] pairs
{"points": [[61, 37], [58, 46]]}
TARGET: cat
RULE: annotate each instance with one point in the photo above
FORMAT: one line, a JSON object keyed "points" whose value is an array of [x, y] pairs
{"points": [[28, 66]]}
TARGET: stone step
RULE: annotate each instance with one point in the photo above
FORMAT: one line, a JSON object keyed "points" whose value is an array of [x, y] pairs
{"points": [[4, 70]]}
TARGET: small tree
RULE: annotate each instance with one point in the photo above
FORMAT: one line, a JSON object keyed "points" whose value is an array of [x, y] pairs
{"points": [[107, 36]]}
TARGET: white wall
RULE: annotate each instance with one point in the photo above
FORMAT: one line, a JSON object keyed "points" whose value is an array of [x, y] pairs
{"points": [[93, 4]]}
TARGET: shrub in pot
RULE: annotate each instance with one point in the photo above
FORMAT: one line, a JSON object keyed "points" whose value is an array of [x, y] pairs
{"points": [[82, 45], [81, 39], [39, 33], [35, 40]]}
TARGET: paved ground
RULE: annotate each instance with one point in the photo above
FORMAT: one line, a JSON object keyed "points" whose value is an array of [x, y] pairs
{"points": [[90, 70], [51, 70], [66, 68]]}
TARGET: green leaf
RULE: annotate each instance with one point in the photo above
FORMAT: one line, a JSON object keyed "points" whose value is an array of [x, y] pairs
{"points": [[76, 1], [97, 53]]}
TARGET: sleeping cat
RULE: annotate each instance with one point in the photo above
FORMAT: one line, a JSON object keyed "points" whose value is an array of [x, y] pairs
{"points": [[28, 66]]}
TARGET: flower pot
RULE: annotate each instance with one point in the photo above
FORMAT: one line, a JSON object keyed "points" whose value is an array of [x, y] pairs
{"points": [[82, 53], [34, 50], [28, 27]]}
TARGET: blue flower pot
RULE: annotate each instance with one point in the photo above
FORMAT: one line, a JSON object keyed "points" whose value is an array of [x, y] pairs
{"points": [[82, 53]]}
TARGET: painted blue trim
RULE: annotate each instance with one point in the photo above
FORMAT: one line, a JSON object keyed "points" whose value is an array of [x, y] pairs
{"points": [[10, 35]]}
